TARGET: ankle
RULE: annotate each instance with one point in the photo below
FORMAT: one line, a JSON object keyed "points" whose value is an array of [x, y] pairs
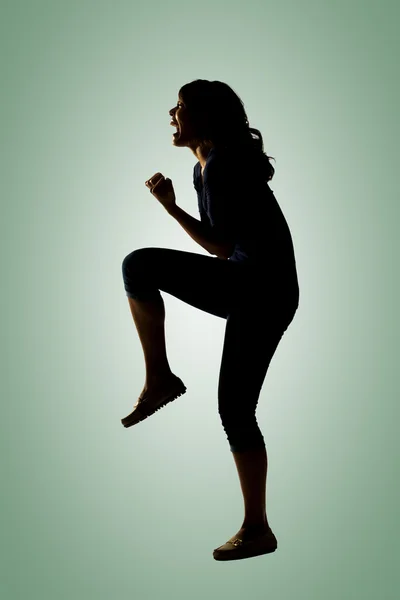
{"points": [[255, 525], [159, 377]]}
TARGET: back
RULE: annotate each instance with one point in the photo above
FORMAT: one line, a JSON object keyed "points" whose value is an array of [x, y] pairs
{"points": [[244, 209]]}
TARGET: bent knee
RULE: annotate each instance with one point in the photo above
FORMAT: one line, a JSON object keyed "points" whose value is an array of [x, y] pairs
{"points": [[136, 259]]}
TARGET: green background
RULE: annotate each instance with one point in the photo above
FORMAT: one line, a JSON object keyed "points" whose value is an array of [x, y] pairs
{"points": [[91, 510]]}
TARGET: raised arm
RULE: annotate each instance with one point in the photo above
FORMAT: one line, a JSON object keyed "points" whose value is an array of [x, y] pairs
{"points": [[202, 234]]}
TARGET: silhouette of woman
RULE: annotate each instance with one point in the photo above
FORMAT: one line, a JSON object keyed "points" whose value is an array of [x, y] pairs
{"points": [[250, 280]]}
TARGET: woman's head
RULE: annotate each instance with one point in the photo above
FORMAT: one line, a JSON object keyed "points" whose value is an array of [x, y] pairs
{"points": [[214, 116]]}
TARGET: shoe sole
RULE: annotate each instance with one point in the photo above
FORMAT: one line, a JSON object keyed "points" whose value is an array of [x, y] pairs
{"points": [[248, 550], [140, 414], [235, 555]]}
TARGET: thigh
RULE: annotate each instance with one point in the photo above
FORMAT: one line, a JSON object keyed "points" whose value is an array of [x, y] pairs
{"points": [[252, 335], [208, 283]]}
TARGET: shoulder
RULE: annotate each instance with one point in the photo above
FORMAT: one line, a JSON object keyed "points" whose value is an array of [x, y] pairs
{"points": [[196, 175], [219, 165]]}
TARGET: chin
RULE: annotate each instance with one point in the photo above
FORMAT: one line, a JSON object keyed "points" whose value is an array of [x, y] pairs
{"points": [[177, 141]]}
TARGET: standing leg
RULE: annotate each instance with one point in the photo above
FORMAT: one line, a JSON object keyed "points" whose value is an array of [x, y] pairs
{"points": [[251, 466], [248, 348], [255, 537]]}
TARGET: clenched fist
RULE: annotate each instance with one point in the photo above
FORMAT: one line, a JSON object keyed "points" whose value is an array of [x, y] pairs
{"points": [[162, 189]]}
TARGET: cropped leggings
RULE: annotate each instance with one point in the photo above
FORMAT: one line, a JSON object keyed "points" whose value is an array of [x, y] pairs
{"points": [[256, 313]]}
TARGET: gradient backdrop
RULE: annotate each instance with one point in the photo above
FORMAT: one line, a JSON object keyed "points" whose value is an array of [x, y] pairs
{"points": [[91, 510]]}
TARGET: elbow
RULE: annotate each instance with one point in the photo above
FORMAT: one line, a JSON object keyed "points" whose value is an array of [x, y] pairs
{"points": [[222, 247], [225, 252], [229, 250], [218, 253]]}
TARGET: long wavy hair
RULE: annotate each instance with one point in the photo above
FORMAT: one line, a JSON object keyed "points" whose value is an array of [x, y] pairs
{"points": [[219, 117]]}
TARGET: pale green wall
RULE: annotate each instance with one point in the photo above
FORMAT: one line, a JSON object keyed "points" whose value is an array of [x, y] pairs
{"points": [[94, 511]]}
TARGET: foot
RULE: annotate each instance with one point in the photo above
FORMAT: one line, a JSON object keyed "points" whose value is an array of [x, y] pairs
{"points": [[159, 383], [154, 395], [251, 532], [248, 542]]}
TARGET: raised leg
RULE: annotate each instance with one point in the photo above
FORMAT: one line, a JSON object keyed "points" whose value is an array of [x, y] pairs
{"points": [[149, 318]]}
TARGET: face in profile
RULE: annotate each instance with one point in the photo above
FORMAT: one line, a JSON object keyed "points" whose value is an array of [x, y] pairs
{"points": [[181, 121], [185, 134]]}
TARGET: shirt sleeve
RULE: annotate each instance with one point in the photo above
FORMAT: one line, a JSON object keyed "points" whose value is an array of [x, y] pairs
{"points": [[202, 212], [222, 198]]}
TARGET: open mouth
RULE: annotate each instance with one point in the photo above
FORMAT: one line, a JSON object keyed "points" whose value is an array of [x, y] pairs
{"points": [[176, 134]]}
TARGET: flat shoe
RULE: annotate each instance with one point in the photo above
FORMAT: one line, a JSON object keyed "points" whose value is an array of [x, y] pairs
{"points": [[236, 548], [145, 408]]}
